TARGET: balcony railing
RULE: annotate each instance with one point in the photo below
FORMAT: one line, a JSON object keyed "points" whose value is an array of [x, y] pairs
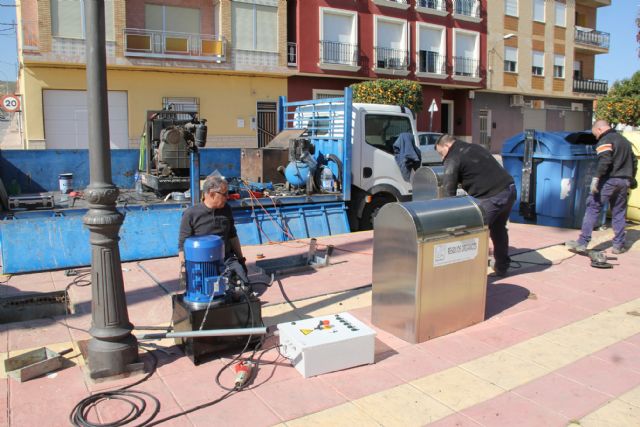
{"points": [[432, 62], [391, 59], [292, 54], [338, 53], [467, 7], [165, 44], [466, 67], [440, 5], [594, 38], [597, 87]]}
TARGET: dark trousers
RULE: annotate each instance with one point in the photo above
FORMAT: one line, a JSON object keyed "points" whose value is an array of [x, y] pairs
{"points": [[497, 209], [612, 191]]}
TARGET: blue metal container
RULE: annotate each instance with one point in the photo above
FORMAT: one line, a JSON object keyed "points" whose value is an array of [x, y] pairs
{"points": [[204, 264], [562, 172]]}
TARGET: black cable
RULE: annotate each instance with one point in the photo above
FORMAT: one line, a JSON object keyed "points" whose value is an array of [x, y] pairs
{"points": [[133, 398]]}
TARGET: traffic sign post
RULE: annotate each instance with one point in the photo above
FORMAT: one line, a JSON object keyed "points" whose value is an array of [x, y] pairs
{"points": [[432, 109], [10, 103]]}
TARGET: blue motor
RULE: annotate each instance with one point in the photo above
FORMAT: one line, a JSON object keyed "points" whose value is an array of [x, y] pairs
{"points": [[204, 265], [302, 166]]}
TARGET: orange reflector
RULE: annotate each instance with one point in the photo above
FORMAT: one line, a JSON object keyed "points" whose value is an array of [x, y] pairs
{"points": [[368, 199]]}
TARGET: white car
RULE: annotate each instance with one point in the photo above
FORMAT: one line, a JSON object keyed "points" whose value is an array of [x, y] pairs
{"points": [[427, 145]]}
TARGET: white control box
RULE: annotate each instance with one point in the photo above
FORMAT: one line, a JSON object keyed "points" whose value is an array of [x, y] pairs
{"points": [[327, 343]]}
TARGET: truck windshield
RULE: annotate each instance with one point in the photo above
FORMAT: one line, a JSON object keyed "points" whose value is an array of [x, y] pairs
{"points": [[382, 130]]}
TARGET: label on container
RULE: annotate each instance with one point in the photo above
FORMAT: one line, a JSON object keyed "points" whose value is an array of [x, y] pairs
{"points": [[453, 252]]}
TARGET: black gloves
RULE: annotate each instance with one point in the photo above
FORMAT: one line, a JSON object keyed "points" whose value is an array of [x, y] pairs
{"points": [[633, 183], [238, 267]]}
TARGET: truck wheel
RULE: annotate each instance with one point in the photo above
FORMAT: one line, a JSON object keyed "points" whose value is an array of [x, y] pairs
{"points": [[371, 210]]}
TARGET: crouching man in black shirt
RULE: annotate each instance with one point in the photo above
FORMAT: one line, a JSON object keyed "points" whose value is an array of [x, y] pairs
{"points": [[482, 177], [212, 216]]}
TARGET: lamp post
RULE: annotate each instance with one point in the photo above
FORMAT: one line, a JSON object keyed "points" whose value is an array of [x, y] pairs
{"points": [[113, 350]]}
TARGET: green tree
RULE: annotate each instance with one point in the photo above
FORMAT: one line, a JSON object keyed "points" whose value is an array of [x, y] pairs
{"points": [[405, 93], [622, 104]]}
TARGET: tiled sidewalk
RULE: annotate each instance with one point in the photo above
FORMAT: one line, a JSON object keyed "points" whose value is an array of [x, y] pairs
{"points": [[559, 346]]}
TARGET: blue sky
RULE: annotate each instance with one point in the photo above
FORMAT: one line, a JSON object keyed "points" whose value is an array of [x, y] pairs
{"points": [[618, 19]]}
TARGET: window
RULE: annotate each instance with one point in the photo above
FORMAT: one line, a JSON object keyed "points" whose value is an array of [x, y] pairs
{"points": [[537, 68], [577, 70], [390, 43], [67, 19], [255, 27], [538, 10], [431, 50], [338, 30], [510, 59], [466, 53], [561, 14], [558, 66], [175, 23], [511, 7], [381, 131]]}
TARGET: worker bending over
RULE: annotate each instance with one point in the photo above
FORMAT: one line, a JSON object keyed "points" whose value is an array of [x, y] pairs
{"points": [[482, 177]]}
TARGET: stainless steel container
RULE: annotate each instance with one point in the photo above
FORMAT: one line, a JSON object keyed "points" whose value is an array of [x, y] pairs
{"points": [[429, 267], [427, 183]]}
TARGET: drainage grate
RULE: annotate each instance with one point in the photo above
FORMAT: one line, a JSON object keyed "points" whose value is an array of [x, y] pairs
{"points": [[33, 306]]}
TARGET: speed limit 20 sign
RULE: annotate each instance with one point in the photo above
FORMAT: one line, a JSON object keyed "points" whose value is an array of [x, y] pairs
{"points": [[10, 103]]}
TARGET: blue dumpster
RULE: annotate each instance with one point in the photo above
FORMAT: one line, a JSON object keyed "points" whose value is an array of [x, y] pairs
{"points": [[552, 173]]}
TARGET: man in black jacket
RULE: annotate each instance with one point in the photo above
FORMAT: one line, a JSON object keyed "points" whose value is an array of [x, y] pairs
{"points": [[212, 216], [615, 174], [482, 177]]}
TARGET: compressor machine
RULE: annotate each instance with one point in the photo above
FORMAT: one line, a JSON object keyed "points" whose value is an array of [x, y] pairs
{"points": [[167, 151], [218, 296]]}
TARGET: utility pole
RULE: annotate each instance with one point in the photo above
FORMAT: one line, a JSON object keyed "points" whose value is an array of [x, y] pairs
{"points": [[113, 350]]}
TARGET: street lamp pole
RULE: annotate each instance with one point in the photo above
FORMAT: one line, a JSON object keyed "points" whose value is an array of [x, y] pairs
{"points": [[113, 350]]}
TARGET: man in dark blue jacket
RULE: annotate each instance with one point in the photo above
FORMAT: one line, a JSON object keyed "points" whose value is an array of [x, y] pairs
{"points": [[481, 176], [615, 174]]}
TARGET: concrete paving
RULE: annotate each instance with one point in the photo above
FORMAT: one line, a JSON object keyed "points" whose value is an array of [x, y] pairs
{"points": [[559, 347]]}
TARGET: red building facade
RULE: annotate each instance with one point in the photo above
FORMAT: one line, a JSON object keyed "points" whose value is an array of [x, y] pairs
{"points": [[439, 43]]}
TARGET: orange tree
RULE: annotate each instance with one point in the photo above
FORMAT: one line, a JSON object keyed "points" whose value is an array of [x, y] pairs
{"points": [[622, 103], [405, 93]]}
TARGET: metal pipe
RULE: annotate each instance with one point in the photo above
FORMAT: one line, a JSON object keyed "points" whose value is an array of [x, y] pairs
{"points": [[205, 333]]}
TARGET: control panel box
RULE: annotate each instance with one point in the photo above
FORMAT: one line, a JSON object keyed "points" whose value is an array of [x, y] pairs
{"points": [[327, 343]]}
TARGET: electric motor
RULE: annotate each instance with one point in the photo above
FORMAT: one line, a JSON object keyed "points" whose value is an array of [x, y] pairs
{"points": [[204, 265]]}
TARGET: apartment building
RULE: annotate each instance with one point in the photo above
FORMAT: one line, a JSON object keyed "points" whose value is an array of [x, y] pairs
{"points": [[439, 43], [227, 59], [540, 68]]}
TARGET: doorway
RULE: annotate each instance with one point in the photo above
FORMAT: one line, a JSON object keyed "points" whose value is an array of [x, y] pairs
{"points": [[266, 122], [446, 117]]}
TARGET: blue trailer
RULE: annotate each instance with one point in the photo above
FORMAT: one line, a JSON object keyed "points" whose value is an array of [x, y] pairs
{"points": [[40, 240]]}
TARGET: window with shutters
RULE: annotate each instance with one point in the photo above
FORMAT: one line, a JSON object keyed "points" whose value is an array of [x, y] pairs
{"points": [[510, 59], [558, 66], [561, 14], [537, 67], [67, 19], [538, 10], [511, 7], [254, 26]]}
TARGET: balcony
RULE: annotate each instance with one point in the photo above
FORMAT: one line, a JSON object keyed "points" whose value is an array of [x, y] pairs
{"points": [[430, 62], [391, 60], [594, 87], [466, 68], [438, 7], [467, 9], [171, 45], [398, 4], [292, 54], [592, 39], [339, 56]]}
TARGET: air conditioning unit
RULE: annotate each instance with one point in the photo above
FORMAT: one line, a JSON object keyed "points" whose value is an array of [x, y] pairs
{"points": [[577, 106], [537, 104], [516, 100]]}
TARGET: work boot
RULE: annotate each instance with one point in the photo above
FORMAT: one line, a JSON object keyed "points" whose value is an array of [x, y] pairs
{"points": [[498, 272], [618, 251], [576, 246]]}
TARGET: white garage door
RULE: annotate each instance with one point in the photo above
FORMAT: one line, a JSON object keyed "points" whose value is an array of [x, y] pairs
{"points": [[65, 119]]}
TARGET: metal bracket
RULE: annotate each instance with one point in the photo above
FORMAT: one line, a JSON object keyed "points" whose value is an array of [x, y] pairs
{"points": [[527, 206]]}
